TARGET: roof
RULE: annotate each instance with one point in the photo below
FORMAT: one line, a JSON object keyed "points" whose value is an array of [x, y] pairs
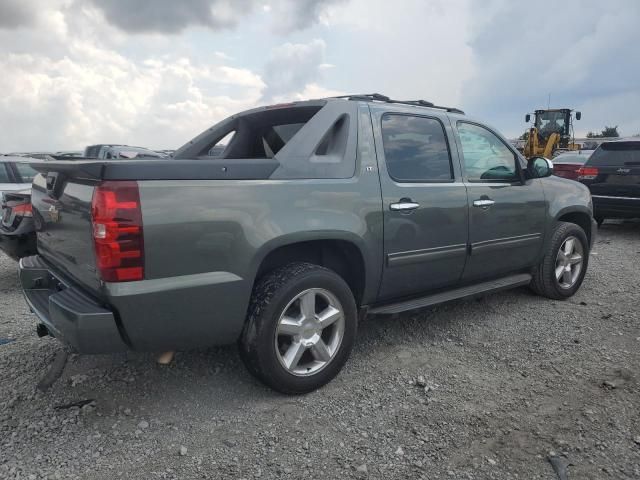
{"points": [[624, 139]]}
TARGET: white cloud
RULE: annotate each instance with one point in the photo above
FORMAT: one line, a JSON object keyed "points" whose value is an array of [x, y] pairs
{"points": [[310, 91], [222, 55], [408, 50], [293, 66], [84, 71], [101, 96]]}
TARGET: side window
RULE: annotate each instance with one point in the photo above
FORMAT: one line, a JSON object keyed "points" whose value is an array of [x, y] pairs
{"points": [[486, 157], [4, 174], [26, 172], [415, 149]]}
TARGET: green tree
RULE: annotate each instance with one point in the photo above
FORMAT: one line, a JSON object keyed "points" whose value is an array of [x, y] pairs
{"points": [[607, 132]]}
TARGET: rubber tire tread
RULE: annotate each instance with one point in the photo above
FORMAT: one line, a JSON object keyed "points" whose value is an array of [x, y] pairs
{"points": [[544, 282], [270, 295]]}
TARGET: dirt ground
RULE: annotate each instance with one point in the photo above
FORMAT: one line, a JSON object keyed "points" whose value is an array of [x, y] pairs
{"points": [[509, 380]]}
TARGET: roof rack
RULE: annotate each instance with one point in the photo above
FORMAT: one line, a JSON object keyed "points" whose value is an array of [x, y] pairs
{"points": [[369, 97]]}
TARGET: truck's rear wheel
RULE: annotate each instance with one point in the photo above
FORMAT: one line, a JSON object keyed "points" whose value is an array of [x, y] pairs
{"points": [[564, 266], [300, 328]]}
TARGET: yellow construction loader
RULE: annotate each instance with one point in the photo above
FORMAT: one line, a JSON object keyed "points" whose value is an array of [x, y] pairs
{"points": [[551, 132]]}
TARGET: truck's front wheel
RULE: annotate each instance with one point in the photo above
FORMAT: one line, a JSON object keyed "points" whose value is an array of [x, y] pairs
{"points": [[564, 266], [300, 328]]}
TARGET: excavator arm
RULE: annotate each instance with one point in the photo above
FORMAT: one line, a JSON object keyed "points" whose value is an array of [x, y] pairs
{"points": [[533, 147], [551, 145]]}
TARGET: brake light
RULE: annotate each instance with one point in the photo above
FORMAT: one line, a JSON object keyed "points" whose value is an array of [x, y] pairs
{"points": [[587, 173], [23, 210], [117, 231]]}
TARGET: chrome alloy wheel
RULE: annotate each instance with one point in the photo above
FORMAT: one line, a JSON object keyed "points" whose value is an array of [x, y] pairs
{"points": [[569, 262], [309, 332]]}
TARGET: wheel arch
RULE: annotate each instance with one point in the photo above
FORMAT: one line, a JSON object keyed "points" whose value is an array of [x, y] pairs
{"points": [[582, 218], [342, 254]]}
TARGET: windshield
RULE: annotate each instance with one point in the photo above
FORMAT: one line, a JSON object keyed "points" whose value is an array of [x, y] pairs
{"points": [[550, 122]]}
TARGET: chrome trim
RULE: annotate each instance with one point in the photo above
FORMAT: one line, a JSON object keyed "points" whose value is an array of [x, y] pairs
{"points": [[608, 197], [498, 243], [483, 203], [424, 255], [403, 206]]}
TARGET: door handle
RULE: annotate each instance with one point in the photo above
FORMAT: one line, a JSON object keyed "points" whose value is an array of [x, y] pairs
{"points": [[483, 203], [404, 205]]}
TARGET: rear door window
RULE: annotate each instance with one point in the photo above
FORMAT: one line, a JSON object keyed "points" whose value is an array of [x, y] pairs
{"points": [[416, 149], [616, 154]]}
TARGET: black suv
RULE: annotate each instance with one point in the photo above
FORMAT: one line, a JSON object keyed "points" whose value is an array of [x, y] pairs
{"points": [[612, 174]]}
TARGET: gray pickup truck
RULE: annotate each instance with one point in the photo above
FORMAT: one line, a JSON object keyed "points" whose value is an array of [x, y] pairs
{"points": [[280, 227]]}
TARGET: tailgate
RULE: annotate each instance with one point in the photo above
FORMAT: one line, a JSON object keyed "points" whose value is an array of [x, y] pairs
{"points": [[617, 182], [62, 216]]}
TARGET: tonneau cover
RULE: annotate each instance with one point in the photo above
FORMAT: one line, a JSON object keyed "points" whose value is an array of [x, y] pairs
{"points": [[160, 169]]}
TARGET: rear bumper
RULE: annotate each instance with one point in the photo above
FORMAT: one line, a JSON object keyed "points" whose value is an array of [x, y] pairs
{"points": [[176, 313], [617, 207], [69, 314], [18, 246]]}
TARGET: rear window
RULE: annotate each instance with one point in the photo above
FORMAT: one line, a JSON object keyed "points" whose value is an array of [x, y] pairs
{"points": [[259, 135], [616, 154], [581, 159], [26, 172], [4, 174]]}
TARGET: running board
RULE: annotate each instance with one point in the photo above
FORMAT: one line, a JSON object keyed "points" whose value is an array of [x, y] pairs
{"points": [[480, 288]]}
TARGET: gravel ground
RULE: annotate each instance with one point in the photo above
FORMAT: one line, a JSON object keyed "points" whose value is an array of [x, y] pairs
{"points": [[476, 389]]}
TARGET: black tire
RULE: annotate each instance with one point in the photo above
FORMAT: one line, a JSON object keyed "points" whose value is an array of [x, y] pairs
{"points": [[271, 296], [544, 280]]}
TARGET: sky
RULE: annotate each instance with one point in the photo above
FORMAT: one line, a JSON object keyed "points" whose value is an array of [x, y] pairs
{"points": [[157, 73]]}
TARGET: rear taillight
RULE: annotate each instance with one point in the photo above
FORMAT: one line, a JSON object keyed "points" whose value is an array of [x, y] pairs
{"points": [[23, 210], [587, 173], [117, 231]]}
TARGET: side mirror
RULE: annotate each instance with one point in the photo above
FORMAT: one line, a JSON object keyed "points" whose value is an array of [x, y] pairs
{"points": [[527, 118], [540, 167], [578, 115]]}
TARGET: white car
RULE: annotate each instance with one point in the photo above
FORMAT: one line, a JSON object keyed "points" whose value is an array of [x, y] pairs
{"points": [[15, 173]]}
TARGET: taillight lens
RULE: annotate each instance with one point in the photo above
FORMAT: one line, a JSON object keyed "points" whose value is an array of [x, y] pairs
{"points": [[117, 231], [587, 173], [23, 210]]}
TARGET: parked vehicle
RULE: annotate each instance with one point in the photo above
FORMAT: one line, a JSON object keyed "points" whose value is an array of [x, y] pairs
{"points": [[278, 227], [612, 174], [567, 165], [17, 233], [15, 173], [69, 154], [15, 183], [120, 151]]}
